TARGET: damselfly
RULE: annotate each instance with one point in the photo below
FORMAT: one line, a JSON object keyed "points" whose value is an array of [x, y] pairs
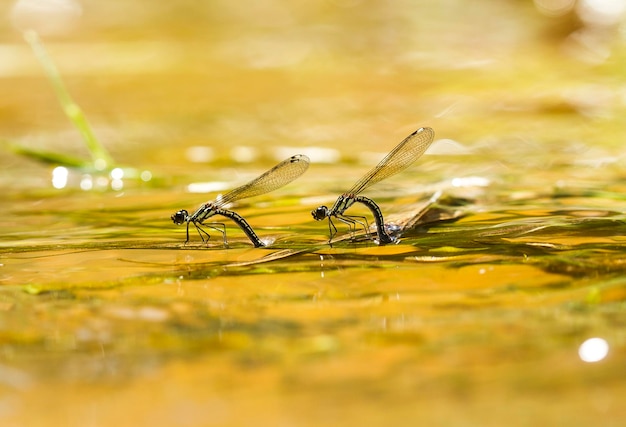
{"points": [[279, 176], [397, 160]]}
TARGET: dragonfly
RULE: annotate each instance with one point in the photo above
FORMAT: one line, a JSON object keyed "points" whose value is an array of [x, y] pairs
{"points": [[401, 157], [275, 178]]}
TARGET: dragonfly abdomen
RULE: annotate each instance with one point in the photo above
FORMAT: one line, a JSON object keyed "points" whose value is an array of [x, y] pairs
{"points": [[383, 237], [243, 224]]}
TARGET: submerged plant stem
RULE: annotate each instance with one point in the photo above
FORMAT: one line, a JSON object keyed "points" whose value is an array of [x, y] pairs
{"points": [[99, 154]]}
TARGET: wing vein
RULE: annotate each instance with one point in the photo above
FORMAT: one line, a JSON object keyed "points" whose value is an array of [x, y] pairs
{"points": [[275, 178], [401, 157]]}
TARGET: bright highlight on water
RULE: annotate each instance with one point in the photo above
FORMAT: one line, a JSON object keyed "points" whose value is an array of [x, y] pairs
{"points": [[593, 350]]}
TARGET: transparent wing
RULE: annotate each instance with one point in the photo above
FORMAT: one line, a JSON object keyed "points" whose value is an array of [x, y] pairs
{"points": [[279, 176], [405, 153]]}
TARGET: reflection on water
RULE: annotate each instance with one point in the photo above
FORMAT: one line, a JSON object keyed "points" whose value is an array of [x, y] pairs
{"points": [[199, 154], [63, 177], [593, 350], [59, 177], [489, 305]]}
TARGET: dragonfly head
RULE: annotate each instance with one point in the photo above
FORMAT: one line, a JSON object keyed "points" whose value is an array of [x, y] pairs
{"points": [[180, 217], [320, 213]]}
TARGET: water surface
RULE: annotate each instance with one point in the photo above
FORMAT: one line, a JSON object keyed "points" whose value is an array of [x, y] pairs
{"points": [[476, 317]]}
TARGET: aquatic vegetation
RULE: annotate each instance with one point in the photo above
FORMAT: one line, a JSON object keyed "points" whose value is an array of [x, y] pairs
{"points": [[101, 165]]}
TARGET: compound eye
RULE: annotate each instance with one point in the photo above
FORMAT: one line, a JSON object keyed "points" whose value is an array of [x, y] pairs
{"points": [[320, 213], [179, 217]]}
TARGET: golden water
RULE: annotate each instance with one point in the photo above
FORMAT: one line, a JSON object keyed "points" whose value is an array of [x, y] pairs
{"points": [[476, 317]]}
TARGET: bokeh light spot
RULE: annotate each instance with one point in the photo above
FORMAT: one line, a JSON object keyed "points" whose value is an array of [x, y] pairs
{"points": [[593, 350], [59, 177]]}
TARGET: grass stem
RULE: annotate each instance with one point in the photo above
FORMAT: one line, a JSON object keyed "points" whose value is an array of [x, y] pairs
{"points": [[100, 156]]}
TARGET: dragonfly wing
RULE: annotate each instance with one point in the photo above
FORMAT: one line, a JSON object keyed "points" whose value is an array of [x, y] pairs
{"points": [[279, 176], [401, 157]]}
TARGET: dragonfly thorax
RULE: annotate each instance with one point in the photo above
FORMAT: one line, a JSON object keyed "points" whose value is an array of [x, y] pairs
{"points": [[205, 211], [343, 202]]}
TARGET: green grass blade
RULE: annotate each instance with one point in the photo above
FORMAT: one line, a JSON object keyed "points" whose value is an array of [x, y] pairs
{"points": [[99, 154]]}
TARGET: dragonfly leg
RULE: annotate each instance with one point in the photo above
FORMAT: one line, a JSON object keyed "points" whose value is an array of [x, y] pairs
{"points": [[218, 226], [187, 241], [351, 223], [363, 223], [204, 235], [332, 230]]}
